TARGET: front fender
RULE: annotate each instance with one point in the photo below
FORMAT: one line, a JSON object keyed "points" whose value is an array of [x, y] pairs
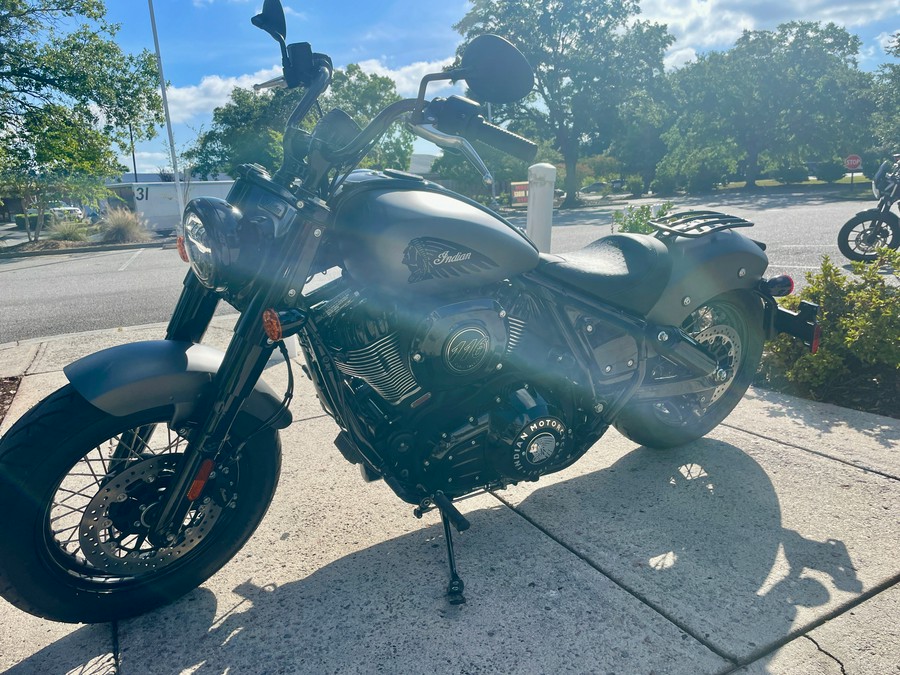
{"points": [[705, 267], [887, 216], [152, 374]]}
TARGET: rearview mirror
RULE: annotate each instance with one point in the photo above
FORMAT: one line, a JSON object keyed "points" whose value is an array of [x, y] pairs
{"points": [[495, 70], [271, 20]]}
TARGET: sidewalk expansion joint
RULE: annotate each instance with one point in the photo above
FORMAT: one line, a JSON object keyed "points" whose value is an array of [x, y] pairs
{"points": [[638, 596], [804, 631], [780, 441]]}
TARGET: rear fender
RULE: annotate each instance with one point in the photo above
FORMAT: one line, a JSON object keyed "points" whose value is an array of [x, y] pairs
{"points": [[705, 267], [153, 374]]}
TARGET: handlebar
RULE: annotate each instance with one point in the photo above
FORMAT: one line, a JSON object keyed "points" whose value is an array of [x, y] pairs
{"points": [[501, 139]]}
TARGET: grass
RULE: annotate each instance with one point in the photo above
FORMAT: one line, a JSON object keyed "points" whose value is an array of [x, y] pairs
{"points": [[123, 226]]}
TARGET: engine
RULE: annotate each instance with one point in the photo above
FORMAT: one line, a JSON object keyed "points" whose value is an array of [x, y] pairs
{"points": [[457, 396]]}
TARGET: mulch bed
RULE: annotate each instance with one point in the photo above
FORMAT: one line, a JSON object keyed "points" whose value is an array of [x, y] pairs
{"points": [[8, 388]]}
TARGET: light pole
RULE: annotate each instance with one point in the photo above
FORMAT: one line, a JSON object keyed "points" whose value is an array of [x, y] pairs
{"points": [[162, 88]]}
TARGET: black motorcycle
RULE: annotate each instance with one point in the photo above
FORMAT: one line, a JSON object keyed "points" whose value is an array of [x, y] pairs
{"points": [[453, 356], [869, 230]]}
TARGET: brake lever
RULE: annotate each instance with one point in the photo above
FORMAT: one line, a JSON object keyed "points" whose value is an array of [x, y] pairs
{"points": [[275, 83], [430, 133]]}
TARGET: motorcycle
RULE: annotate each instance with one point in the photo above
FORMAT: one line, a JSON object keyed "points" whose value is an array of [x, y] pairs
{"points": [[453, 356], [869, 230]]}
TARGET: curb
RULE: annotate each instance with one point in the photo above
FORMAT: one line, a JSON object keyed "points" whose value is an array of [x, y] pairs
{"points": [[163, 243]]}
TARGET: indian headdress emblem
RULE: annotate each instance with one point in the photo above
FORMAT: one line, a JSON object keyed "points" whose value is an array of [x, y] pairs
{"points": [[429, 258]]}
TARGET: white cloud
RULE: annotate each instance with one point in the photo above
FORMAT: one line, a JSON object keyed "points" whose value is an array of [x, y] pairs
{"points": [[189, 103], [716, 24], [147, 161], [885, 40], [408, 77]]}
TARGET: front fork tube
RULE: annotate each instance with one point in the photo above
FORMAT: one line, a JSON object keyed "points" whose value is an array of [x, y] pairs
{"points": [[190, 319], [243, 364]]}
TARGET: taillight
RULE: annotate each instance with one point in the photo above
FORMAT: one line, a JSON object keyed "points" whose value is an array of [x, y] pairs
{"points": [[780, 286]]}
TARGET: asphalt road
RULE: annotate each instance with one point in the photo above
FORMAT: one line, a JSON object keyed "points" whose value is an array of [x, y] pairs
{"points": [[53, 295]]}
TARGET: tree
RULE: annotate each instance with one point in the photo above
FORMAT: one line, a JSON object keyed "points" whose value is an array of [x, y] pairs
{"points": [[887, 121], [588, 56], [249, 128], [777, 98], [55, 154], [41, 63]]}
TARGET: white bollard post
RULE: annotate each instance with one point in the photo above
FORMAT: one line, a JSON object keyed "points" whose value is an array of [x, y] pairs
{"points": [[541, 182]]}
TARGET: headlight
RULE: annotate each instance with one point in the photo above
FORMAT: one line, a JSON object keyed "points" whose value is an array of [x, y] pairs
{"points": [[213, 244], [199, 252]]}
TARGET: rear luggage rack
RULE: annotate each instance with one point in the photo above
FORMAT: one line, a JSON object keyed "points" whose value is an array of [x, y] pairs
{"points": [[694, 224]]}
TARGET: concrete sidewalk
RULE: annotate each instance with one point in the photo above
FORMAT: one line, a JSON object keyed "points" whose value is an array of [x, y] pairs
{"points": [[770, 546]]}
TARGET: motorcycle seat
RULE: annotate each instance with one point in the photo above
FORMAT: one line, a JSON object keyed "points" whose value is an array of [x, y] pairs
{"points": [[626, 270]]}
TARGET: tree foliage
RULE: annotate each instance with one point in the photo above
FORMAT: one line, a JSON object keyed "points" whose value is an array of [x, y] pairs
{"points": [[887, 100], [776, 98], [42, 63], [55, 154], [588, 55], [249, 128], [67, 93]]}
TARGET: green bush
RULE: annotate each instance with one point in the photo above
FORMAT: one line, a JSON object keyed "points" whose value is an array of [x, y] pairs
{"points": [[858, 362], [703, 178], [32, 220], [122, 226], [634, 185], [790, 174], [830, 170], [637, 218], [664, 185]]}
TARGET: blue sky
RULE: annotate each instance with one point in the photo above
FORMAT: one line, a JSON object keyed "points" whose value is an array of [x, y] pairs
{"points": [[209, 46]]}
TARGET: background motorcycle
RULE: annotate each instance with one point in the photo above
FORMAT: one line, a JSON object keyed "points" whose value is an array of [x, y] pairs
{"points": [[868, 230], [453, 356]]}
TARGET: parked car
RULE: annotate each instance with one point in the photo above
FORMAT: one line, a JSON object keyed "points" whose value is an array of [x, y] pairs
{"points": [[599, 186]]}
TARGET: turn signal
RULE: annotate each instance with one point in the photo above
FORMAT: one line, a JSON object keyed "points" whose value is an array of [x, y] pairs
{"points": [[279, 325], [272, 325], [182, 251], [780, 286]]}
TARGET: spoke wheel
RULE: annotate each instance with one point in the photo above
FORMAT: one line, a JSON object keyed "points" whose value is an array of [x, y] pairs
{"points": [[862, 235], [88, 488], [730, 326]]}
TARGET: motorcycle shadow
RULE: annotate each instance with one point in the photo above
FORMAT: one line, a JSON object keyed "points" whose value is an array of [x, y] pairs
{"points": [[695, 533]]}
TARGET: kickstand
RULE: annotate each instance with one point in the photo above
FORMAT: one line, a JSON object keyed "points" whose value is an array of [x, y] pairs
{"points": [[451, 513]]}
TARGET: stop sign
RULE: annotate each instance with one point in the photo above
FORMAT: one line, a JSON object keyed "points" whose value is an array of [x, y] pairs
{"points": [[853, 162]]}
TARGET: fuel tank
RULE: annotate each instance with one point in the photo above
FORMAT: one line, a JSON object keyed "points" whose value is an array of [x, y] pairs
{"points": [[401, 234]]}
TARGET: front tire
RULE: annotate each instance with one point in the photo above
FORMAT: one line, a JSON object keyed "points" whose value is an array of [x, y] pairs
{"points": [[731, 325], [76, 493], [867, 231]]}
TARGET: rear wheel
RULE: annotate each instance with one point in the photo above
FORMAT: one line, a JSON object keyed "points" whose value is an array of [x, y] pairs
{"points": [[731, 328], [78, 491], [865, 232]]}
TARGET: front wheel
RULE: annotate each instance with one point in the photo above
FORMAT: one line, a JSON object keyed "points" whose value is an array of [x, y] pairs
{"points": [[867, 231], [731, 328], [78, 490]]}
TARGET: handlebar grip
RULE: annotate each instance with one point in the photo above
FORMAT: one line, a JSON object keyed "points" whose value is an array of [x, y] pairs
{"points": [[503, 140]]}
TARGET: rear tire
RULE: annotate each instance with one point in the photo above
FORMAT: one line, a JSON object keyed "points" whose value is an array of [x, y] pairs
{"points": [[865, 232], [73, 546], [732, 326]]}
